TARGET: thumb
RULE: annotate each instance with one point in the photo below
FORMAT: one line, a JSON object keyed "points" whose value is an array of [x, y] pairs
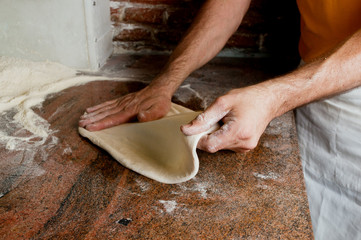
{"points": [[205, 120]]}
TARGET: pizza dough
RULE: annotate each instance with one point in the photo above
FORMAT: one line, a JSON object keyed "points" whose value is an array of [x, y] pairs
{"points": [[156, 149]]}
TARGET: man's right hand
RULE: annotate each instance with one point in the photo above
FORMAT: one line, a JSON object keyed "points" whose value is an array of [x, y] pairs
{"points": [[146, 105]]}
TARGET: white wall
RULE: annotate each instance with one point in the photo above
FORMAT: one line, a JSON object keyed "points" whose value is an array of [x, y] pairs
{"points": [[76, 33]]}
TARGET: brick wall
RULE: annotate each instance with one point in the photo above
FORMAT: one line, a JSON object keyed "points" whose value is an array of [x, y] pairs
{"points": [[270, 26]]}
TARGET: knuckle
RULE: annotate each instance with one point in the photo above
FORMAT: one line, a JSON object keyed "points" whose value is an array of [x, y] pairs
{"points": [[221, 102], [206, 144], [245, 141], [250, 145], [199, 118], [211, 149], [129, 106], [142, 117], [239, 138], [244, 133]]}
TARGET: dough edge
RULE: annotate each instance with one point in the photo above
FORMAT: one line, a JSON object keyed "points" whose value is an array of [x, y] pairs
{"points": [[190, 141]]}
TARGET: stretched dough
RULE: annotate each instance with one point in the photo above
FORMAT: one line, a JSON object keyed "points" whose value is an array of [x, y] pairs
{"points": [[156, 149]]}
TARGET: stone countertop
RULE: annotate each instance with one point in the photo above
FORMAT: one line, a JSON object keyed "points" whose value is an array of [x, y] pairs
{"points": [[68, 188]]}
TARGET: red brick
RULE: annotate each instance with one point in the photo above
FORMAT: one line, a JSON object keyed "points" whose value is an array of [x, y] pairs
{"points": [[114, 14], [167, 20], [137, 46], [114, 17], [114, 10], [136, 34], [155, 2], [144, 15]]}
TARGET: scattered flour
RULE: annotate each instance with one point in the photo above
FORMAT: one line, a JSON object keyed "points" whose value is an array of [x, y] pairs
{"points": [[169, 206], [67, 151], [25, 84], [270, 175], [199, 187], [264, 187], [144, 186]]}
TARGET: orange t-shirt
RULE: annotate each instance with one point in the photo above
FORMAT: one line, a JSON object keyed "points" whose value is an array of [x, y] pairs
{"points": [[326, 23]]}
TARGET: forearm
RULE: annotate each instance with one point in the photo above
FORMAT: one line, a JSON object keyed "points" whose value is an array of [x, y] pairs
{"points": [[216, 21], [334, 73]]}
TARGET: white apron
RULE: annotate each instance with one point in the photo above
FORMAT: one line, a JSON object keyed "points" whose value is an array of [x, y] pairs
{"points": [[329, 133]]}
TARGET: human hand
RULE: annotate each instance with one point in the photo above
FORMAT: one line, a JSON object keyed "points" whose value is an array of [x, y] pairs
{"points": [[146, 105], [245, 113]]}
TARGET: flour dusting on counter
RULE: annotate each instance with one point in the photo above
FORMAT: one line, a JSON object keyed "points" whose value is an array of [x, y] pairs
{"points": [[25, 84], [169, 206], [268, 176], [144, 186]]}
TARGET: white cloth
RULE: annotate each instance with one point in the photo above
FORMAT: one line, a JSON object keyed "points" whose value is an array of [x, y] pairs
{"points": [[329, 133]]}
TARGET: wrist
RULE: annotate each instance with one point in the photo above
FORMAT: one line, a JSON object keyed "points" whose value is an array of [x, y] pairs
{"points": [[282, 97], [166, 84], [157, 87], [274, 98]]}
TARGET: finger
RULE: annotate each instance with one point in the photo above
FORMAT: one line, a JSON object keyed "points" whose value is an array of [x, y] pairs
{"points": [[122, 104], [227, 137], [205, 120], [220, 139], [202, 145], [99, 116], [99, 106], [110, 121], [154, 112], [87, 115]]}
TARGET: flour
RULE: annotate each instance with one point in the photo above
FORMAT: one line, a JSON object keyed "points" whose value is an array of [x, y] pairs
{"points": [[268, 176], [25, 84], [169, 206], [67, 151], [144, 186], [200, 187]]}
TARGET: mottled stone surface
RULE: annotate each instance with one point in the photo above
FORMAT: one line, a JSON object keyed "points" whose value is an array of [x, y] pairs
{"points": [[71, 189]]}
